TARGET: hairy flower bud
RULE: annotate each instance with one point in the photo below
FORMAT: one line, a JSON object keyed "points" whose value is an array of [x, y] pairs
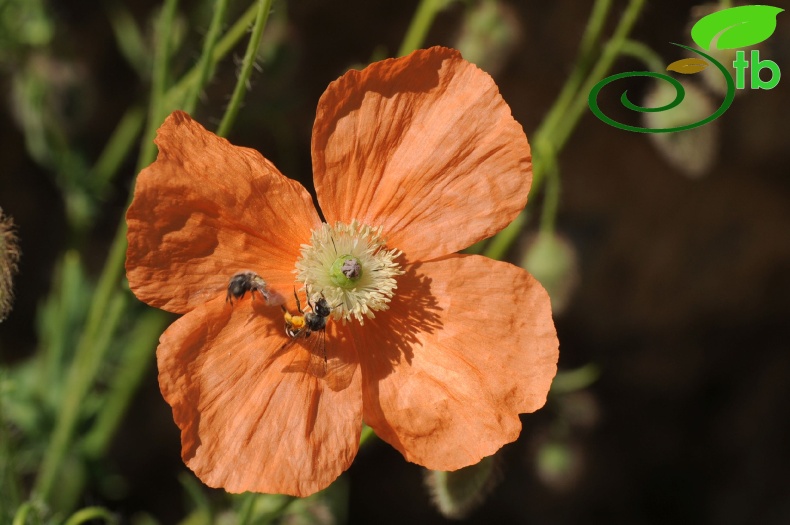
{"points": [[693, 151], [9, 257], [457, 493], [552, 260]]}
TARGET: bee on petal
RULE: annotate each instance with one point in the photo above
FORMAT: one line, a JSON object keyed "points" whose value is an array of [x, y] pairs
{"points": [[244, 282], [308, 330]]}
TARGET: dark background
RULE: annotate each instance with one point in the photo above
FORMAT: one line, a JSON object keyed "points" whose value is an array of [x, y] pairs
{"points": [[683, 301]]}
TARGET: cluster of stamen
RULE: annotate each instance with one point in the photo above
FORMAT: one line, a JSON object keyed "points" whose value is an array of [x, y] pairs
{"points": [[350, 266]]}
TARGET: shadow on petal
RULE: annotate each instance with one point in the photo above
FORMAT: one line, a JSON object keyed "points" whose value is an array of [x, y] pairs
{"points": [[389, 339]]}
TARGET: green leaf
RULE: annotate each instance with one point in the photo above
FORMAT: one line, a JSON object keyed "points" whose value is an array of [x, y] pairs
{"points": [[736, 27]]}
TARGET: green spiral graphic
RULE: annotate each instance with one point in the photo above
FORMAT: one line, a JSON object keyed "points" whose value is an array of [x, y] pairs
{"points": [[592, 99]]}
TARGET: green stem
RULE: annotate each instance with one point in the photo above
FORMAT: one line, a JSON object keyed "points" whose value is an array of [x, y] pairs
{"points": [[68, 288], [247, 506], [576, 379], [420, 25], [643, 53], [587, 48], [551, 199], [223, 47], [194, 489], [91, 513], [158, 83], [276, 513], [570, 90], [20, 518], [119, 145], [247, 65], [366, 435], [104, 313], [553, 133], [205, 65], [610, 53], [502, 241], [137, 358], [128, 37]]}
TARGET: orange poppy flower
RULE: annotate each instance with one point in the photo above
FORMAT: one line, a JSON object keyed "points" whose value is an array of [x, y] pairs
{"points": [[414, 159]]}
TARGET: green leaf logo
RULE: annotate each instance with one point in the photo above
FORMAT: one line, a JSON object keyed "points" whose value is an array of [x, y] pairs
{"points": [[736, 27]]}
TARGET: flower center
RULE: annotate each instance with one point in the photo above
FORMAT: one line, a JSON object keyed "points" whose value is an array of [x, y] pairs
{"points": [[349, 265]]}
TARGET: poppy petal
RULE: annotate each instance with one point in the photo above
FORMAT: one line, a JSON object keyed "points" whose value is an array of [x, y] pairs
{"points": [[206, 210], [420, 145], [476, 346], [252, 417]]}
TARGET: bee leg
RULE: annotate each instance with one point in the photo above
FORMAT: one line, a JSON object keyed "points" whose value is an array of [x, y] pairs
{"points": [[299, 304]]}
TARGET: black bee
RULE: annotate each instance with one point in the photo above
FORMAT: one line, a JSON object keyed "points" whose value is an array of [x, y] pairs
{"points": [[303, 325], [328, 365], [244, 282]]}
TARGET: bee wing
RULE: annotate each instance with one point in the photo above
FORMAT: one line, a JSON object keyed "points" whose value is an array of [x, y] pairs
{"points": [[319, 359]]}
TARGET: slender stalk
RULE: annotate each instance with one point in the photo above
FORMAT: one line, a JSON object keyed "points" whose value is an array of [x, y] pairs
{"points": [[278, 511], [553, 133], [610, 53], [247, 65], [20, 518], [420, 25], [587, 48], [91, 513], [128, 37], [551, 199], [198, 498], [119, 145], [137, 358], [205, 65], [501, 242], [89, 354], [366, 435], [570, 90], [223, 47], [247, 506], [158, 82], [69, 286], [643, 53], [576, 379]]}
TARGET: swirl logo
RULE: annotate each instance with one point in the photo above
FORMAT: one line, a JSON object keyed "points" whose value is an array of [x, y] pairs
{"points": [[727, 29]]}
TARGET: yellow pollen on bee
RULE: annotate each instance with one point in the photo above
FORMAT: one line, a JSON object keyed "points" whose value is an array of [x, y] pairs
{"points": [[296, 322]]}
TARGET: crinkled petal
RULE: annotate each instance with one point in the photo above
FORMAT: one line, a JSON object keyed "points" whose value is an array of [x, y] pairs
{"points": [[467, 345], [424, 146], [206, 210], [251, 416]]}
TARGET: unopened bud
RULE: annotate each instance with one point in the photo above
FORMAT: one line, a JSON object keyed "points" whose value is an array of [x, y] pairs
{"points": [[692, 151], [457, 493], [489, 34], [558, 464], [552, 260]]}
